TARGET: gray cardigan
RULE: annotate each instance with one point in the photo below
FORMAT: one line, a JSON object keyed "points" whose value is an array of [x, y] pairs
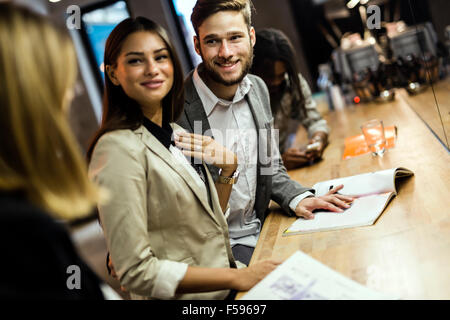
{"points": [[276, 186]]}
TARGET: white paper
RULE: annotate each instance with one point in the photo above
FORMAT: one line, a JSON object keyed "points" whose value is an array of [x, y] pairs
{"points": [[361, 184], [302, 278], [363, 211]]}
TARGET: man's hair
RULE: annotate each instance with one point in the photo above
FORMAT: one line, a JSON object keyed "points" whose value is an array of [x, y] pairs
{"points": [[205, 8]]}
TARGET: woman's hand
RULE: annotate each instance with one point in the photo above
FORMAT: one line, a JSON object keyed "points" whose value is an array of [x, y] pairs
{"points": [[112, 271], [248, 277], [295, 158], [207, 149], [321, 140]]}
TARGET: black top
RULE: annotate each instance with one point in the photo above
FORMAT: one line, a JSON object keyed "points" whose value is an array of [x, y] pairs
{"points": [[36, 252], [163, 134]]}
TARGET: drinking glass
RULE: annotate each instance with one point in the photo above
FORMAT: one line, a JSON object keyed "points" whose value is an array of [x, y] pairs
{"points": [[373, 131]]}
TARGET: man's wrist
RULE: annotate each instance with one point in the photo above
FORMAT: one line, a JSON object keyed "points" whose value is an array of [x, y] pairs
{"points": [[294, 202]]}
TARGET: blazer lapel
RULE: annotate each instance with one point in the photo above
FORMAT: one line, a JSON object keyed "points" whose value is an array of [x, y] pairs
{"points": [[253, 101], [193, 109], [153, 144], [195, 114]]}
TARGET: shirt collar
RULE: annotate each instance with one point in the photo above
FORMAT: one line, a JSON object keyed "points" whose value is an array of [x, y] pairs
{"points": [[210, 100], [163, 134]]}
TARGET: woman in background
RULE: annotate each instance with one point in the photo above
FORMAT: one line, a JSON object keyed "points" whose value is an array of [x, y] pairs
{"points": [[43, 179], [165, 228], [290, 96]]}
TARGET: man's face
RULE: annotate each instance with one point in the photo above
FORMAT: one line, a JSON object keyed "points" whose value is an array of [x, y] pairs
{"points": [[226, 47]]}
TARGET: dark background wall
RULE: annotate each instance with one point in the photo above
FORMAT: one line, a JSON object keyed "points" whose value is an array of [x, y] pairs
{"points": [[440, 14], [279, 14]]}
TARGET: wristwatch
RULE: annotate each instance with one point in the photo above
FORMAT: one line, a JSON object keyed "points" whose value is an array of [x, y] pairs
{"points": [[229, 180]]}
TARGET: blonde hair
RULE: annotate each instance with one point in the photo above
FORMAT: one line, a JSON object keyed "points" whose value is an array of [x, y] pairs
{"points": [[38, 154]]}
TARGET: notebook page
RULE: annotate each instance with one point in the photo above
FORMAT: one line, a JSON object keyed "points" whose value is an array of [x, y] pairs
{"points": [[363, 211], [303, 278], [361, 184]]}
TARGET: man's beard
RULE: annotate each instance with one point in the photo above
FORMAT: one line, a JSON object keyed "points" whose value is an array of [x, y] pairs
{"points": [[216, 76]]}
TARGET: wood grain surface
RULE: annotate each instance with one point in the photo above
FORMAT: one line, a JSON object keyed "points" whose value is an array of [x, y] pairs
{"points": [[406, 253], [433, 106]]}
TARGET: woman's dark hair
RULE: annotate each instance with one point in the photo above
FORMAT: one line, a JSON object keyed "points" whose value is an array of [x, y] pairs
{"points": [[273, 45], [119, 110]]}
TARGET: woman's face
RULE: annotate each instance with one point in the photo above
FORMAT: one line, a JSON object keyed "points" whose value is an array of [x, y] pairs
{"points": [[144, 69], [275, 82]]}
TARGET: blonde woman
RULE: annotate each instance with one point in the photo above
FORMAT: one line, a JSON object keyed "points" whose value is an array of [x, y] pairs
{"points": [[42, 174]]}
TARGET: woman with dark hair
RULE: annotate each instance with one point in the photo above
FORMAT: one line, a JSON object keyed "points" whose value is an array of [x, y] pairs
{"points": [[164, 226], [290, 96]]}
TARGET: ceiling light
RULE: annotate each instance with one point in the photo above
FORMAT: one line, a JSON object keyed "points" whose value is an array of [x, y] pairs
{"points": [[352, 3]]}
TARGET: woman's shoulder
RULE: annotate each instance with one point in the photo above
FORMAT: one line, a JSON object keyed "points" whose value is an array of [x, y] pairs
{"points": [[18, 213], [34, 243], [27, 223], [118, 149], [123, 139], [119, 136], [15, 207], [303, 83]]}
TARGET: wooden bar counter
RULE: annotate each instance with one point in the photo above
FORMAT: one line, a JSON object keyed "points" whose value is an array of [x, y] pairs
{"points": [[406, 253], [437, 118]]}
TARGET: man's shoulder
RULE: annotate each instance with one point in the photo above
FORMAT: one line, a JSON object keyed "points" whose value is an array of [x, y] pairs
{"points": [[190, 92], [188, 81], [189, 76], [259, 87], [255, 80], [259, 94]]}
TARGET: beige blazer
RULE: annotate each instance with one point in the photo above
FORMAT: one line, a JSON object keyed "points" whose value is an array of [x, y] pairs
{"points": [[156, 212]]}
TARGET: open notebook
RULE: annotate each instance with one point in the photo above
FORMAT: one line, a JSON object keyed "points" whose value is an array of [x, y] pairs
{"points": [[373, 190], [303, 278]]}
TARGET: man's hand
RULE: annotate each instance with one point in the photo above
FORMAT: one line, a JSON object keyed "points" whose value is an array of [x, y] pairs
{"points": [[332, 201]]}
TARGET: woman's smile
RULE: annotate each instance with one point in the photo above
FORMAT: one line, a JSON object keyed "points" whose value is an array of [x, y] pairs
{"points": [[153, 84]]}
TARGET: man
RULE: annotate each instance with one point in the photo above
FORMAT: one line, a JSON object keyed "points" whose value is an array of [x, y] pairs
{"points": [[222, 99]]}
